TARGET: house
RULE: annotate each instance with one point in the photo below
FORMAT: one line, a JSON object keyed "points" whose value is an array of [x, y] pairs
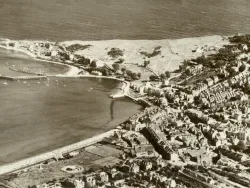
{"points": [[202, 156], [215, 79], [73, 182], [146, 165], [103, 177], [90, 180], [113, 172], [161, 163], [241, 133], [54, 53], [146, 150], [135, 168], [209, 81], [96, 73], [139, 126], [119, 183]]}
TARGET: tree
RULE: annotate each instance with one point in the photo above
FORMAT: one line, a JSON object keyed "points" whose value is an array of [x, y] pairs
{"points": [[134, 76], [232, 71], [201, 59], [128, 72], [105, 72], [167, 73], [242, 67], [139, 75], [93, 64], [163, 77], [116, 66], [241, 146], [120, 60], [146, 63], [153, 77], [123, 70]]}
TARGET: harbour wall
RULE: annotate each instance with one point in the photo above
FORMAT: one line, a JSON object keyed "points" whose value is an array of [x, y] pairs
{"points": [[23, 77], [24, 163]]}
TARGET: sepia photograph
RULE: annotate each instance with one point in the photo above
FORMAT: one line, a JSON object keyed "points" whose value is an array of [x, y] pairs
{"points": [[124, 93]]}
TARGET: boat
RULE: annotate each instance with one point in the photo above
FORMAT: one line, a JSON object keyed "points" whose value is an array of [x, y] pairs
{"points": [[5, 83]]}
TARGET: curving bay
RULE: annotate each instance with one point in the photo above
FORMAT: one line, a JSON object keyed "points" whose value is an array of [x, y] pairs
{"points": [[38, 116]]}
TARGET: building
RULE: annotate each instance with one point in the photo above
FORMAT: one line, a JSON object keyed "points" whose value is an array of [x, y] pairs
{"points": [[135, 168], [103, 177], [233, 155], [146, 165], [209, 81], [73, 182], [96, 73], [239, 132], [90, 180]]}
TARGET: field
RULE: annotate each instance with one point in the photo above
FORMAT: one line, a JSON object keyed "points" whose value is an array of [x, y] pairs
{"points": [[163, 55], [47, 172]]}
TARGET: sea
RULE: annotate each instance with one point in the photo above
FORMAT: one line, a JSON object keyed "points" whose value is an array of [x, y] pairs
{"points": [[38, 116], [60, 20]]}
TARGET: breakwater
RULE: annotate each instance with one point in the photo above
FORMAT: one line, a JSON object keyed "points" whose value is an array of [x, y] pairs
{"points": [[22, 78], [24, 163], [27, 71]]}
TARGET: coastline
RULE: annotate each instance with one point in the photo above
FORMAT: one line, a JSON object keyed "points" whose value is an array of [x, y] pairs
{"points": [[73, 73], [72, 69], [33, 160]]}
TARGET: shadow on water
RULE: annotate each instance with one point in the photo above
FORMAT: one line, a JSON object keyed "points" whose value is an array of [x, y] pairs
{"points": [[111, 107], [111, 111]]}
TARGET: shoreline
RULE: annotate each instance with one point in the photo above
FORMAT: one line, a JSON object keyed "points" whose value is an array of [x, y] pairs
{"points": [[72, 69], [28, 162], [72, 73]]}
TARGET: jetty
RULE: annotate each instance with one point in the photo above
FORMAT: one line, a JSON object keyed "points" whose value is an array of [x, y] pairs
{"points": [[124, 91]]}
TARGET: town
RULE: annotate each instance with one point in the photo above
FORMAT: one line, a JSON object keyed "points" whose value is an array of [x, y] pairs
{"points": [[194, 129]]}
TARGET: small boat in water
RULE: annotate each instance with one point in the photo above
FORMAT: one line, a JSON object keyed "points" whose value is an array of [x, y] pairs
{"points": [[5, 83]]}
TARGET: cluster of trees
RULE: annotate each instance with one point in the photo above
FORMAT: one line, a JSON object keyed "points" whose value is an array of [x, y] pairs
{"points": [[225, 57], [115, 52], [116, 67], [132, 75], [241, 146], [240, 39], [76, 47], [83, 61], [64, 56], [120, 61], [162, 77], [156, 52], [146, 63]]}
